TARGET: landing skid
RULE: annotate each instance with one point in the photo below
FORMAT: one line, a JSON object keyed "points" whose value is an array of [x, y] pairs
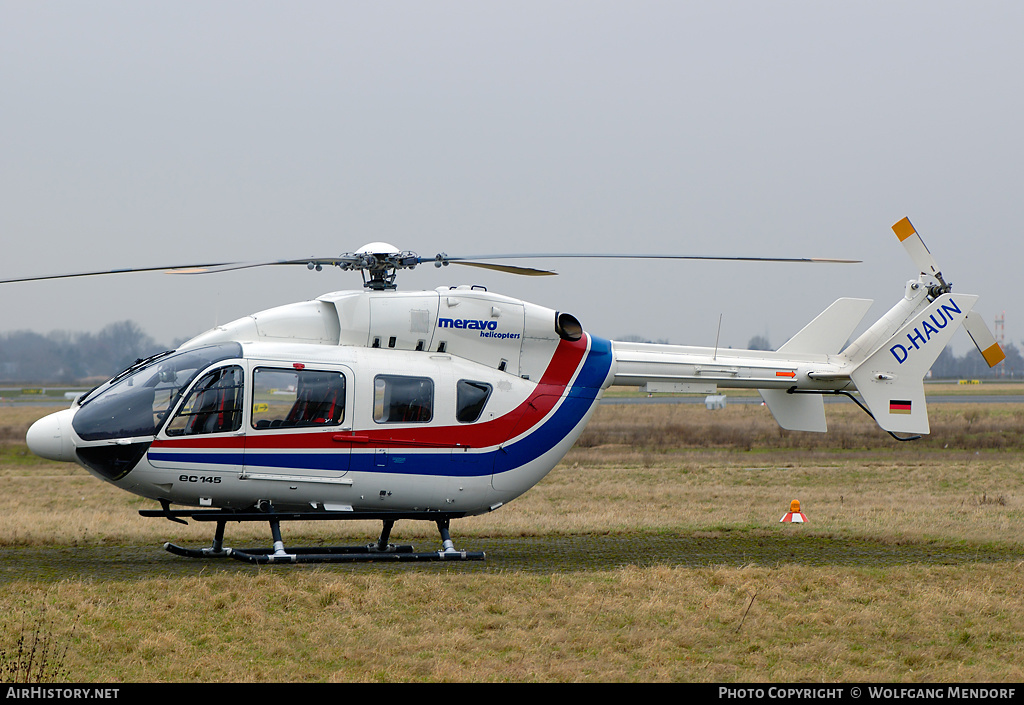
{"points": [[374, 552]]}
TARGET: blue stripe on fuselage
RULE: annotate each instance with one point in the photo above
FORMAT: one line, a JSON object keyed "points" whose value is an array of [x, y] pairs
{"points": [[576, 403]]}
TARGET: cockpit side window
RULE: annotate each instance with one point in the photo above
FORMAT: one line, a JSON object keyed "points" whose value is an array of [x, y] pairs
{"points": [[400, 399], [136, 402], [470, 399], [285, 398], [213, 406]]}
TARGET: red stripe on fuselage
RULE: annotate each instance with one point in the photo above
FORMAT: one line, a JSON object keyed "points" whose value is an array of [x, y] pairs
{"points": [[559, 373]]}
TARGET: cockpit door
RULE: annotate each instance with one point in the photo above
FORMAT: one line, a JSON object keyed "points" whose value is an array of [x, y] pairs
{"points": [[206, 433]]}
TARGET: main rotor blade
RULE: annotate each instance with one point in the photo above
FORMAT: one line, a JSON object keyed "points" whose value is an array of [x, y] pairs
{"points": [[97, 273], [470, 261], [232, 266], [508, 268], [632, 255]]}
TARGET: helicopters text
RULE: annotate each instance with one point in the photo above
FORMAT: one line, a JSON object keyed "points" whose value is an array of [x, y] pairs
{"points": [[437, 405]]}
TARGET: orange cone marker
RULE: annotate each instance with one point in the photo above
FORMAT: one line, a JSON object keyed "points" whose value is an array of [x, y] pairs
{"points": [[794, 515]]}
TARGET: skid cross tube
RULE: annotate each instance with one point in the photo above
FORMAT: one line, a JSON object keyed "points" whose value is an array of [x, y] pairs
{"points": [[381, 550]]}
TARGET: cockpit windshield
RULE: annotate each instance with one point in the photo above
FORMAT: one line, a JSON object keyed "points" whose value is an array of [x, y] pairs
{"points": [[135, 402]]}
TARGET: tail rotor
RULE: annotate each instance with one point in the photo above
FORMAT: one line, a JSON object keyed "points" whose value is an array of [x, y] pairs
{"points": [[974, 324]]}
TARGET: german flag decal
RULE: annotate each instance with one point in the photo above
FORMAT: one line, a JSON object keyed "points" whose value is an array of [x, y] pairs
{"points": [[899, 406]]}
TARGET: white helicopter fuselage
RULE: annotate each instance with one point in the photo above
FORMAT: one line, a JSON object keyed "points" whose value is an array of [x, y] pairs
{"points": [[457, 413], [436, 405], [453, 400]]}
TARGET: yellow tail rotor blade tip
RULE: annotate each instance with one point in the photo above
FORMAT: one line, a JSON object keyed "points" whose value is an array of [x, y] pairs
{"points": [[903, 229], [993, 355]]}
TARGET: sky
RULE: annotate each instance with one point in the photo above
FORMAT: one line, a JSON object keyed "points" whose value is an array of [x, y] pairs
{"points": [[169, 133]]}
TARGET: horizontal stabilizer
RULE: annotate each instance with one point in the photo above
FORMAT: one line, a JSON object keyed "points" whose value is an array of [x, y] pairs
{"points": [[891, 380], [825, 335]]}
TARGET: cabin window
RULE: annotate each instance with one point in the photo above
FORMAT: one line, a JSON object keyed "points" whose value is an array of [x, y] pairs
{"points": [[284, 398], [213, 406], [470, 399], [400, 399]]}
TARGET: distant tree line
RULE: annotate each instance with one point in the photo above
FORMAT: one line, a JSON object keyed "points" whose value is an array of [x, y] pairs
{"points": [[64, 357], [641, 339], [972, 366]]}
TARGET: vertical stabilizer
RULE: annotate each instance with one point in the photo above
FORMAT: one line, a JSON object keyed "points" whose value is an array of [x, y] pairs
{"points": [[891, 380], [831, 330]]}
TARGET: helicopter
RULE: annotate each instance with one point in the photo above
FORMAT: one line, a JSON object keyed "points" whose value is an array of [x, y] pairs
{"points": [[387, 405]]}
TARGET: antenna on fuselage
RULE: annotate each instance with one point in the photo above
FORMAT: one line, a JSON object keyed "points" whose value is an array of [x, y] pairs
{"points": [[717, 336]]}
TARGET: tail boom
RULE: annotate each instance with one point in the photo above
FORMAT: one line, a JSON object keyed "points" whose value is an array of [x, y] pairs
{"points": [[886, 364], [889, 374]]}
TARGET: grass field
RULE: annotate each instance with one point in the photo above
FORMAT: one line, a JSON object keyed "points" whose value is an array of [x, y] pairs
{"points": [[654, 552]]}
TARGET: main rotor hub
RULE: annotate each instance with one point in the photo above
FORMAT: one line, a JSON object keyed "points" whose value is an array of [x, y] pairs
{"points": [[379, 263]]}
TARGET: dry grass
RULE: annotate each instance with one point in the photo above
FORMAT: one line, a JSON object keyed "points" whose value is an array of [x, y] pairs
{"points": [[751, 623], [659, 427], [785, 624]]}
